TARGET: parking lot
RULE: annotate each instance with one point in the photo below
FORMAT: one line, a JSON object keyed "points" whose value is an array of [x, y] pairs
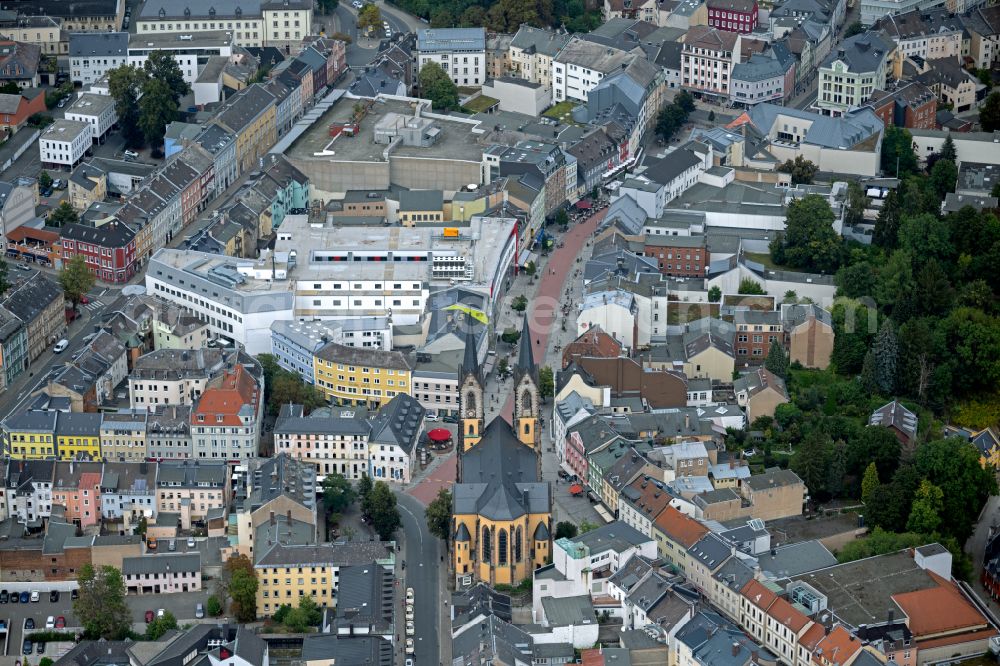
{"points": [[181, 605]]}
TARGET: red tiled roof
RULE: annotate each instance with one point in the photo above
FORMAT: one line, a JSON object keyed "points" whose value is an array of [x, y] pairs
{"points": [[681, 528], [838, 646], [938, 610], [20, 233], [237, 389], [786, 614], [758, 595]]}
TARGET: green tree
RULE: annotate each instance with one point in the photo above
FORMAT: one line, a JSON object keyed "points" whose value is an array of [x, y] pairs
{"points": [[442, 18], [530, 269], [473, 17], [802, 170], [953, 466], [438, 87], [685, 101], [157, 109], [889, 505], [503, 366], [508, 15], [811, 460], [101, 607], [989, 113], [566, 530], [944, 177], [289, 388], [281, 614], [984, 76], [338, 493], [369, 18], [898, 158], [439, 515], [44, 179], [365, 487], [510, 336], [948, 151], [125, 85], [587, 526], [160, 625], [857, 202], [670, 119], [546, 382], [777, 360], [972, 338], [879, 542], [76, 279], [714, 294], [870, 482], [62, 215], [519, 304], [886, 351], [307, 614], [925, 515], [751, 287], [886, 233], [161, 66], [10, 88], [213, 607], [238, 583], [856, 280], [384, 514], [562, 217], [327, 7], [854, 29], [874, 446], [809, 241]]}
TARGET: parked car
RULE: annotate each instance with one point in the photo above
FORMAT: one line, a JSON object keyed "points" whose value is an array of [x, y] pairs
{"points": [[199, 611], [190, 542], [25, 597], [24, 267], [54, 596], [50, 622], [14, 597], [409, 646], [29, 623], [74, 594], [448, 418], [27, 648], [39, 648], [47, 192], [61, 103], [59, 348], [409, 596], [409, 628], [60, 622], [84, 300], [4, 596]]}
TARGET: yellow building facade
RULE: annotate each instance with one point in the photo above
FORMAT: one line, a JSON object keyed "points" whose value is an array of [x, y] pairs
{"points": [[78, 436], [30, 435], [361, 376], [502, 509]]}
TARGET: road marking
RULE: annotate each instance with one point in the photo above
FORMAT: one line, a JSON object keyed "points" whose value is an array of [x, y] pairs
{"points": [[420, 532]]}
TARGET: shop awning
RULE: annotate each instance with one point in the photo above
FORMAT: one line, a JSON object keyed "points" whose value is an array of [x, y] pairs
{"points": [[439, 435], [584, 204], [526, 257]]}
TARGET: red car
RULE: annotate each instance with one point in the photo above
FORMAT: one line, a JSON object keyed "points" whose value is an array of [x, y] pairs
{"points": [[60, 622], [149, 616], [84, 300]]}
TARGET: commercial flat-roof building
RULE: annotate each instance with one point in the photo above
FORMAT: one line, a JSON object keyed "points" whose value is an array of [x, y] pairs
{"points": [[93, 54]]}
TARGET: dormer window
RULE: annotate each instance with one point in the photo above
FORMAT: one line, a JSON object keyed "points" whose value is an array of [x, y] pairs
{"points": [[163, 13], [239, 12], [211, 12], [187, 12]]}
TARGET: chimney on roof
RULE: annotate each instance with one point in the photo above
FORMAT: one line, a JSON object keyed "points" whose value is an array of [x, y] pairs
{"points": [[289, 516], [272, 519], [736, 649]]}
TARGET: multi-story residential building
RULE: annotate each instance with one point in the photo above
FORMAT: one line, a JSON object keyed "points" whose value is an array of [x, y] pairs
{"points": [[226, 422], [191, 54], [675, 533], [45, 32], [733, 15], [393, 441], [109, 250], [99, 16], [809, 335], [461, 53], [337, 443], [17, 108], [168, 433], [912, 105], [76, 486], [176, 329], [849, 75], [162, 574], [353, 375], [267, 23], [278, 486], [64, 143], [29, 490], [764, 78], [951, 82], [643, 10], [532, 51], [251, 115], [78, 436], [13, 347], [197, 486], [177, 377], [755, 331], [123, 435], [19, 63], [98, 111], [30, 434], [556, 167], [128, 491], [927, 33], [641, 503], [678, 256], [294, 343], [983, 27], [580, 65], [760, 392], [707, 60], [632, 97], [93, 54], [289, 572]]}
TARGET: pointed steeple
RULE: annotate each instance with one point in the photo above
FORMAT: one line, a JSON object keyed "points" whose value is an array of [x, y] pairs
{"points": [[470, 361], [525, 353]]}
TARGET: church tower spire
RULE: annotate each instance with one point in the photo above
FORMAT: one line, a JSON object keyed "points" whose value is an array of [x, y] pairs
{"points": [[470, 394], [527, 399]]}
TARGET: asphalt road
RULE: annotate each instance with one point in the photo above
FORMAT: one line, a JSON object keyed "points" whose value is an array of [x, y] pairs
{"points": [[422, 553]]}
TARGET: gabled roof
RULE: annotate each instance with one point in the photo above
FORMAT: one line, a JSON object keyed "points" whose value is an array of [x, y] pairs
{"points": [[679, 527], [398, 423]]}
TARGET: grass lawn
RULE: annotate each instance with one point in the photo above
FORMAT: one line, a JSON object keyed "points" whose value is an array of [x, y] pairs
{"points": [[480, 104], [765, 259], [561, 111], [464, 91]]}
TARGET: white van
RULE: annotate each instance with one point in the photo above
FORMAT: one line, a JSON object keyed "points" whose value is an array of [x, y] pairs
{"points": [[61, 346], [131, 155]]}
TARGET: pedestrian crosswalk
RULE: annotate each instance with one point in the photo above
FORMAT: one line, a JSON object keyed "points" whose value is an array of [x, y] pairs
{"points": [[94, 305]]}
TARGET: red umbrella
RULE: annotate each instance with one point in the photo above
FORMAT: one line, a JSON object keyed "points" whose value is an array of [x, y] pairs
{"points": [[576, 489], [439, 435]]}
